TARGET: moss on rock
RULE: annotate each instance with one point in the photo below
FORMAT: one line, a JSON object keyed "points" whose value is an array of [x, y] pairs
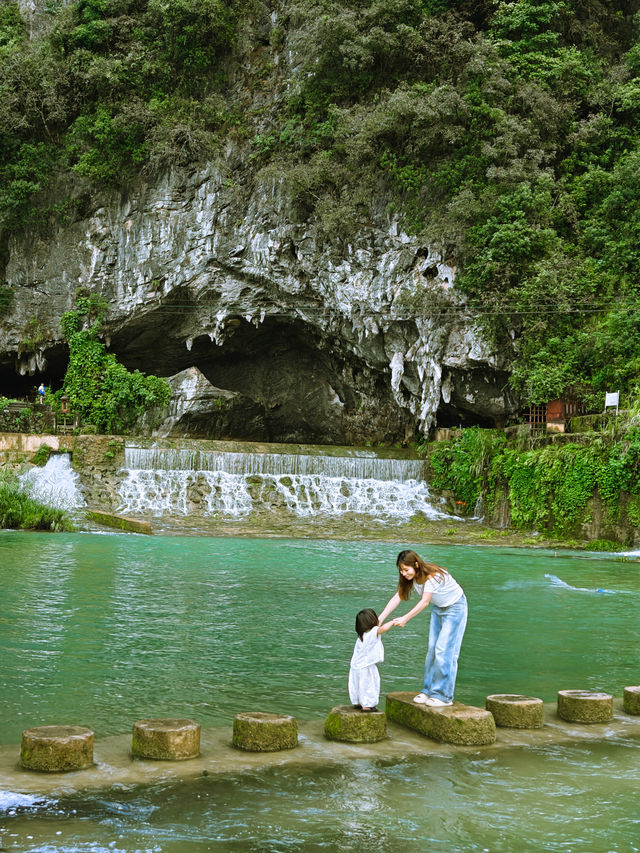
{"points": [[56, 749], [513, 711], [457, 724], [351, 725], [585, 706], [256, 731], [166, 739], [631, 700]]}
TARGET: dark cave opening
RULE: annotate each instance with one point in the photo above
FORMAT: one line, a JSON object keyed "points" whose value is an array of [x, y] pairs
{"points": [[15, 385]]}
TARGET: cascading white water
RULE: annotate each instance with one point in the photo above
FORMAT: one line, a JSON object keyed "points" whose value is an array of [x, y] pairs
{"points": [[55, 484], [232, 483]]}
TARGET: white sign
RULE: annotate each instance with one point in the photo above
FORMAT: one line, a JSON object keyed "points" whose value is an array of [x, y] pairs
{"points": [[611, 398]]}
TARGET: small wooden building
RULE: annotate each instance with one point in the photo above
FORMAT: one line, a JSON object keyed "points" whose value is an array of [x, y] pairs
{"points": [[554, 415]]}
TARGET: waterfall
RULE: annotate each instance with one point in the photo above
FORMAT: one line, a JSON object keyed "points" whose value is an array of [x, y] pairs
{"points": [[305, 483], [55, 484]]}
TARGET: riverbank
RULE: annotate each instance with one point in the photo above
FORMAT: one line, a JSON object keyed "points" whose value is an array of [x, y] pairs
{"points": [[211, 488], [419, 531]]}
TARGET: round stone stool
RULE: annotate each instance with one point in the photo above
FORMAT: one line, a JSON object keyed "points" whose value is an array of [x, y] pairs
{"points": [[56, 749], [166, 740], [585, 706], [350, 725], [256, 731], [512, 711], [631, 700]]}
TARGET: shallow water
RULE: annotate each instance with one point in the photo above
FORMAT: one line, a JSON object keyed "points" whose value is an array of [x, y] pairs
{"points": [[575, 798], [101, 630]]}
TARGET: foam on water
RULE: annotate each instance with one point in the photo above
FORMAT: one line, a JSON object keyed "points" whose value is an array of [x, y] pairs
{"points": [[11, 801], [55, 484], [183, 482], [556, 581]]}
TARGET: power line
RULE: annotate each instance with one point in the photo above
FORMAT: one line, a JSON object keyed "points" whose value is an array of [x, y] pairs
{"points": [[511, 310]]}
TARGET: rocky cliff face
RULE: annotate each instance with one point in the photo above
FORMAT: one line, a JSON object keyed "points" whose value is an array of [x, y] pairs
{"points": [[314, 337], [291, 335]]}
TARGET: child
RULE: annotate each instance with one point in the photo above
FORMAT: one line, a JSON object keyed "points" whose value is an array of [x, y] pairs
{"points": [[364, 678]]}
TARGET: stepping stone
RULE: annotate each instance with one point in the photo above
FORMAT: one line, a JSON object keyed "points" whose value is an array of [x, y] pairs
{"points": [[585, 706], [512, 711], [166, 740], [462, 725], [256, 731], [631, 700], [56, 749], [350, 725]]}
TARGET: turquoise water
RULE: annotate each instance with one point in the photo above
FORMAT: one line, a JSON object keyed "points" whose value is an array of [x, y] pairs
{"points": [[101, 630]]}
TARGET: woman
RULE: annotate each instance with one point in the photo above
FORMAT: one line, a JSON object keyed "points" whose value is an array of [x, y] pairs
{"points": [[448, 621]]}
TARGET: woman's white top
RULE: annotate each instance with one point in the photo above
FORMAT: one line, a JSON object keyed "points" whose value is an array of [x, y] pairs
{"points": [[444, 589], [368, 650]]}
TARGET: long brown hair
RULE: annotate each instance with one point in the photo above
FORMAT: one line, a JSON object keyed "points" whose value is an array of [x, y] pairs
{"points": [[424, 571]]}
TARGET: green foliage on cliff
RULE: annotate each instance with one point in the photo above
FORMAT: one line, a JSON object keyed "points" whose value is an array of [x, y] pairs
{"points": [[549, 488], [112, 87], [460, 465], [100, 389], [19, 511], [505, 132]]}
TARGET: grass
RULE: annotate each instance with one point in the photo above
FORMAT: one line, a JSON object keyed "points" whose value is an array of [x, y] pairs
{"points": [[20, 512]]}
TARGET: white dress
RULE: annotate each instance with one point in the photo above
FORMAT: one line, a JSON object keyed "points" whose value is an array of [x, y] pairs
{"points": [[364, 678]]}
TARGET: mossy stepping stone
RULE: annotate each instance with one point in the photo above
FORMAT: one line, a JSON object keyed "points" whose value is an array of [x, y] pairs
{"points": [[166, 739], [256, 731], [56, 749], [585, 706], [513, 711], [351, 725], [631, 700], [463, 725]]}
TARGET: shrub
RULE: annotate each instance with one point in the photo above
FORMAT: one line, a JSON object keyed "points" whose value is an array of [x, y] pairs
{"points": [[100, 389]]}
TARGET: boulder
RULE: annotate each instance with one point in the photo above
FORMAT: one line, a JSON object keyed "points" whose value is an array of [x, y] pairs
{"points": [[197, 409]]}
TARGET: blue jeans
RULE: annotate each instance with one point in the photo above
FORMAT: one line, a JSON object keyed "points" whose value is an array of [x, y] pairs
{"points": [[446, 631]]}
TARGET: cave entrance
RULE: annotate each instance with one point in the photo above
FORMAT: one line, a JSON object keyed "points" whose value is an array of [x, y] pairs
{"points": [[308, 388]]}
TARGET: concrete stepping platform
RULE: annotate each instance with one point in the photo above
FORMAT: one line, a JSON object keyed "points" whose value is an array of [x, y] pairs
{"points": [[351, 725], [56, 749], [631, 700], [455, 724], [585, 706], [257, 731], [513, 711], [113, 764], [166, 739]]}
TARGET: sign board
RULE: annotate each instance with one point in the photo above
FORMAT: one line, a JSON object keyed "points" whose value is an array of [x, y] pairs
{"points": [[611, 398]]}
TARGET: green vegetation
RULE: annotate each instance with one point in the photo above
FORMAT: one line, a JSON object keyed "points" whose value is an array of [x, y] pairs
{"points": [[505, 132], [112, 87], [42, 454], [100, 389], [18, 510], [549, 488]]}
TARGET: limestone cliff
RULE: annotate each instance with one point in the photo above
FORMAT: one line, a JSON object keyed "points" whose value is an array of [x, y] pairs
{"points": [[307, 337]]}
